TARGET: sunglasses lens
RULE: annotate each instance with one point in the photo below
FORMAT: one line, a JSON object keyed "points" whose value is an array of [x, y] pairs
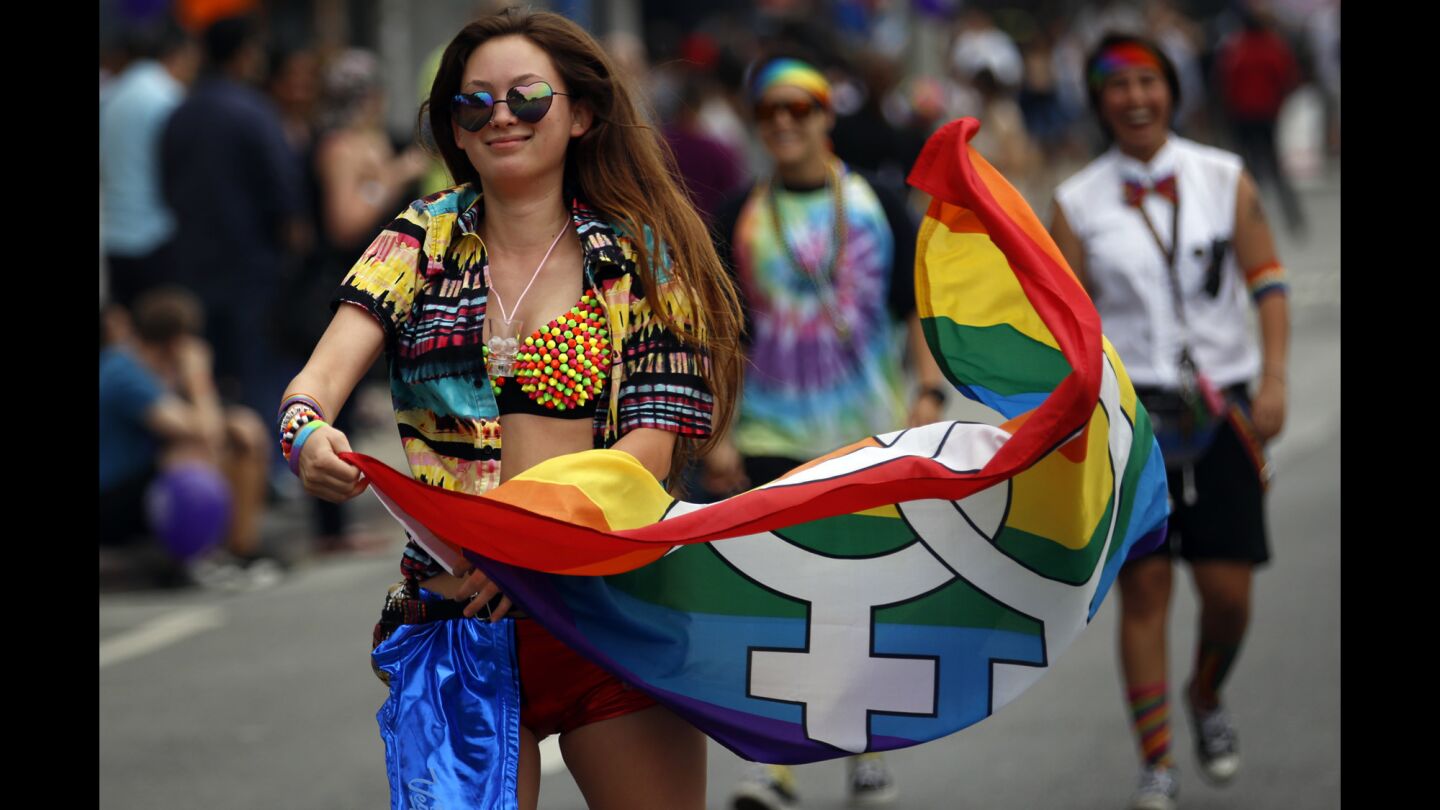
{"points": [[530, 102], [797, 110], [472, 112]]}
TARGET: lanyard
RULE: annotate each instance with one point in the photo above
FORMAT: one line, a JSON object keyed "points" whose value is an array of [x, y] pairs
{"points": [[1172, 273]]}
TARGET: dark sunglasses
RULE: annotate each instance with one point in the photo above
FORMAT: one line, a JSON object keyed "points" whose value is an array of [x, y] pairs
{"points": [[798, 110], [528, 102]]}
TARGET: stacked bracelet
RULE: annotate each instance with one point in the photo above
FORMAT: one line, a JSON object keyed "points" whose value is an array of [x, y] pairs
{"points": [[299, 416], [292, 404], [290, 430], [301, 435]]}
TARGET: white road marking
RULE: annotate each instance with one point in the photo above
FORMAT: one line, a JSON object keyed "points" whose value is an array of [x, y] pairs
{"points": [[550, 759], [158, 633]]}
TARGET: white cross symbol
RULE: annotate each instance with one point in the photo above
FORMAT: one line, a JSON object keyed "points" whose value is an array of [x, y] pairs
{"points": [[837, 679]]}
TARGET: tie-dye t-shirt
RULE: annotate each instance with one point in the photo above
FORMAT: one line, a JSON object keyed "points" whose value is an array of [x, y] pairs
{"points": [[423, 279], [807, 390]]}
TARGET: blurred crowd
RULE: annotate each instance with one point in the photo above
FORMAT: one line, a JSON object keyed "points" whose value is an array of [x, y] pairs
{"points": [[241, 173]]}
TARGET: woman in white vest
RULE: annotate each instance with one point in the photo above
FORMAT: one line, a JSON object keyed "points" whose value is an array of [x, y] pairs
{"points": [[1169, 238]]}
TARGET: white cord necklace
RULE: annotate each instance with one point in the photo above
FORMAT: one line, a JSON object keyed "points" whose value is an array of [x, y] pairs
{"points": [[501, 359]]}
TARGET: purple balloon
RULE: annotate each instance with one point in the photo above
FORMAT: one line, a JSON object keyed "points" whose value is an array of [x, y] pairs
{"points": [[189, 508]]}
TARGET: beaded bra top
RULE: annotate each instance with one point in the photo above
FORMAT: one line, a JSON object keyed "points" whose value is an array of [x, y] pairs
{"points": [[561, 368]]}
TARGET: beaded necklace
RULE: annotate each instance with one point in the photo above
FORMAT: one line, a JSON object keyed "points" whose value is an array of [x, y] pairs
{"points": [[824, 283]]}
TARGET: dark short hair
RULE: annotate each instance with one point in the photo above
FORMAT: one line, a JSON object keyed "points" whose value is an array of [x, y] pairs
{"points": [[1172, 78], [226, 37], [155, 38], [166, 313]]}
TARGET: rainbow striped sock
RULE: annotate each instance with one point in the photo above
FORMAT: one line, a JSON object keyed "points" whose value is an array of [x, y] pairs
{"points": [[1150, 715], [1212, 663]]}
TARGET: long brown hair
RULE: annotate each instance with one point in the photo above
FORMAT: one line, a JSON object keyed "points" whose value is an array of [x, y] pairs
{"points": [[621, 167]]}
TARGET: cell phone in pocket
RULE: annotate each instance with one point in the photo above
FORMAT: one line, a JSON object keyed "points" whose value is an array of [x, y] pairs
{"points": [[1218, 249]]}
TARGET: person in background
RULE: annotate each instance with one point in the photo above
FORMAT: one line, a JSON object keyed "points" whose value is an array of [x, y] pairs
{"points": [[159, 408], [1322, 33], [293, 84], [1257, 71], [139, 227], [1003, 139], [231, 179], [362, 180], [712, 171], [865, 139], [1168, 237], [825, 264], [359, 182]]}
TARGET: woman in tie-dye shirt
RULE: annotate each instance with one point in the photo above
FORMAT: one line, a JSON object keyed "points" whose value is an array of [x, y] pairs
{"points": [[825, 264]]}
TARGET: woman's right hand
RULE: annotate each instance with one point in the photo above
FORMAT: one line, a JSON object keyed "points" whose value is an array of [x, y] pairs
{"points": [[323, 473]]}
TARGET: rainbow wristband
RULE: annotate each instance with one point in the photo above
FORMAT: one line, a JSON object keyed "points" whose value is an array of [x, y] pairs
{"points": [[300, 437], [1265, 279]]}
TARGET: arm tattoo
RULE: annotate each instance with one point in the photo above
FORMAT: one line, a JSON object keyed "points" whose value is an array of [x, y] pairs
{"points": [[1257, 210]]}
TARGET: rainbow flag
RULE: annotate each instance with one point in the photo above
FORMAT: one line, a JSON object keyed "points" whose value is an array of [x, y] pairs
{"points": [[892, 592]]}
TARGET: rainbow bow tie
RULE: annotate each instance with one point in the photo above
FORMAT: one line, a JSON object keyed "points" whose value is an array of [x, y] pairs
{"points": [[1165, 187]]}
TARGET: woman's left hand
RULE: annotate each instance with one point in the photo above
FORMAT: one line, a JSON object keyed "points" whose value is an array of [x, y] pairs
{"points": [[480, 590], [1268, 409]]}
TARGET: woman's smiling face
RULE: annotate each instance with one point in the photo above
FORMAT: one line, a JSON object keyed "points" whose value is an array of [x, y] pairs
{"points": [[790, 139], [1135, 104], [507, 148]]}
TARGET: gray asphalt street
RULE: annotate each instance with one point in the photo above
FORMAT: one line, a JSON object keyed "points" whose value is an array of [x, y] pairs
{"points": [[266, 699]]}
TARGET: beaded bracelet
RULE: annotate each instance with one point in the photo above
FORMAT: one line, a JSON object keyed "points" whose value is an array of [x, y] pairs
{"points": [[305, 433], [290, 429]]}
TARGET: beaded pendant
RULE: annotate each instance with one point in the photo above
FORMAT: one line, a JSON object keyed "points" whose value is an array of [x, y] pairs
{"points": [[565, 363]]}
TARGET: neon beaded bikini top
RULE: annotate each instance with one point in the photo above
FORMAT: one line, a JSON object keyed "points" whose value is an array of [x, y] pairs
{"points": [[562, 367]]}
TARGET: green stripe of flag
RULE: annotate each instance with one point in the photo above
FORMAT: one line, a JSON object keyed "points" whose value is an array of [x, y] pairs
{"points": [[1000, 358]]}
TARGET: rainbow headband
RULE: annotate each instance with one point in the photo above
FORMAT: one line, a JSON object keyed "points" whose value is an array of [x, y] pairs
{"points": [[791, 72], [1118, 57]]}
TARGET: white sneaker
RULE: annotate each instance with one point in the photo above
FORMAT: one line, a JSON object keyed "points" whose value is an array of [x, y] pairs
{"points": [[1159, 790], [871, 784], [1215, 744], [765, 787]]}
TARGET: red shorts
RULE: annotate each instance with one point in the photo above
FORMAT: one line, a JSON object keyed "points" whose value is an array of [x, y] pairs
{"points": [[561, 690]]}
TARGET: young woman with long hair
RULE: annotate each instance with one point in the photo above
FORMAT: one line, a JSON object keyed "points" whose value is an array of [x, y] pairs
{"points": [[564, 294]]}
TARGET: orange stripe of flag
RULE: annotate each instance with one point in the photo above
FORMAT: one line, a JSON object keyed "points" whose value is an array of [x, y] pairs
{"points": [[1016, 208]]}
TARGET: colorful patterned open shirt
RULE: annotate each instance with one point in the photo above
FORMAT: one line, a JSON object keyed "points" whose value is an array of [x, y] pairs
{"points": [[423, 279]]}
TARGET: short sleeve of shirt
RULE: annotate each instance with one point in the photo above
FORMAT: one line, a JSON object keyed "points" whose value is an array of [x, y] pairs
{"points": [[662, 386], [127, 388], [127, 392], [385, 279]]}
